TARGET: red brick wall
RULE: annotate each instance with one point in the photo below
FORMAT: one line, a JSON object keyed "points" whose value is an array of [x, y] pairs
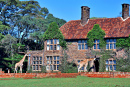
{"points": [[67, 75], [107, 74]]}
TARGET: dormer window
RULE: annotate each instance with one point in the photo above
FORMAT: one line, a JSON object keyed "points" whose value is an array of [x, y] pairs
{"points": [[53, 44]]}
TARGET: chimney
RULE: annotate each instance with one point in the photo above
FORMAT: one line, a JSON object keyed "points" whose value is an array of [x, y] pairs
{"points": [[85, 14], [125, 11]]}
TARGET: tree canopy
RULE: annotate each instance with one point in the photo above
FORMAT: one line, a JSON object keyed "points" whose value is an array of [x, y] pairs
{"points": [[22, 25], [53, 32]]}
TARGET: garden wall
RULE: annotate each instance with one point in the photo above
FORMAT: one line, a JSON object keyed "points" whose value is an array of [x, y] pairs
{"points": [[66, 75], [107, 74]]}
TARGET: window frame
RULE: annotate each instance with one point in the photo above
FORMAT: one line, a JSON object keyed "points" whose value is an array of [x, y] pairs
{"points": [[82, 44], [36, 63], [110, 63], [110, 45], [96, 43], [53, 44], [55, 62]]}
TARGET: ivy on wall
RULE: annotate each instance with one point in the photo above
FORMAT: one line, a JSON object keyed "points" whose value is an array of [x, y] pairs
{"points": [[96, 34], [53, 32], [123, 42], [123, 64]]}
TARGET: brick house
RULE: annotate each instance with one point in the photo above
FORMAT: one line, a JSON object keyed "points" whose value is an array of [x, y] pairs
{"points": [[75, 33]]}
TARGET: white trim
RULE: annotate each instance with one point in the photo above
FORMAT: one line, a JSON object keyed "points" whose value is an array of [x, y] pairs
{"points": [[85, 23], [124, 19]]}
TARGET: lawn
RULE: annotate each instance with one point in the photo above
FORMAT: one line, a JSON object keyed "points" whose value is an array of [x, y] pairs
{"points": [[80, 81]]}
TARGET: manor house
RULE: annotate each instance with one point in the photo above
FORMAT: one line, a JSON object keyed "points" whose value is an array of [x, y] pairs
{"points": [[75, 33]]}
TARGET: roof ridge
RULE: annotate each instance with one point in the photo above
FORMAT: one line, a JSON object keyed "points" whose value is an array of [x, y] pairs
{"points": [[105, 18], [73, 20]]}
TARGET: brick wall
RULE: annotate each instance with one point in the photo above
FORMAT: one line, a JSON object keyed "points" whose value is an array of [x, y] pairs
{"points": [[107, 74], [74, 53], [67, 75]]}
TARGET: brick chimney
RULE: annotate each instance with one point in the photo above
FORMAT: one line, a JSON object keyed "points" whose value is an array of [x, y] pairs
{"points": [[125, 11], [85, 14]]}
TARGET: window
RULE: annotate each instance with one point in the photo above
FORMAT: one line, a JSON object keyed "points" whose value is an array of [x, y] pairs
{"points": [[111, 65], [82, 45], [96, 44], [111, 44], [53, 62], [53, 44], [37, 63]]}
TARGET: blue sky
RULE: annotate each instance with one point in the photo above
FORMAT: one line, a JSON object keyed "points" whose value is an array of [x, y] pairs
{"points": [[71, 9]]}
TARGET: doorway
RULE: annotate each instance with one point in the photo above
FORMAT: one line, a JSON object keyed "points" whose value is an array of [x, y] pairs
{"points": [[96, 64]]}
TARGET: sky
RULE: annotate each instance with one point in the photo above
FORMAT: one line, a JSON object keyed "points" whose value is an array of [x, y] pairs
{"points": [[71, 9]]}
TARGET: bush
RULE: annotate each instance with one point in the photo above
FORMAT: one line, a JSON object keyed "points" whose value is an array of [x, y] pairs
{"points": [[123, 65], [43, 69], [69, 68]]}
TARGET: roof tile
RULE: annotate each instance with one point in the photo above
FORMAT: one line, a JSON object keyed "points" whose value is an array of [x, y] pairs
{"points": [[113, 27]]}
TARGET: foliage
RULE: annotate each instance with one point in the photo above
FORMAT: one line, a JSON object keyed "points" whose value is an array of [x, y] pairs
{"points": [[97, 17], [7, 42], [11, 61], [43, 69], [50, 18], [106, 54], [88, 67], [67, 67], [96, 34], [33, 45], [1, 36], [123, 65], [3, 27], [123, 42], [53, 32], [25, 22]]}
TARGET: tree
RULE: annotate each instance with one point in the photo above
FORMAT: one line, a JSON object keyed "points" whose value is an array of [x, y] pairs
{"points": [[53, 32], [50, 18], [7, 43], [67, 67]]}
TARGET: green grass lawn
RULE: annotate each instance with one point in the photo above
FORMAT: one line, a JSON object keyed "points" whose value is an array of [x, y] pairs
{"points": [[80, 81]]}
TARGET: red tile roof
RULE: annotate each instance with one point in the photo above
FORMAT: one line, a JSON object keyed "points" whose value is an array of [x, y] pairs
{"points": [[113, 27]]}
